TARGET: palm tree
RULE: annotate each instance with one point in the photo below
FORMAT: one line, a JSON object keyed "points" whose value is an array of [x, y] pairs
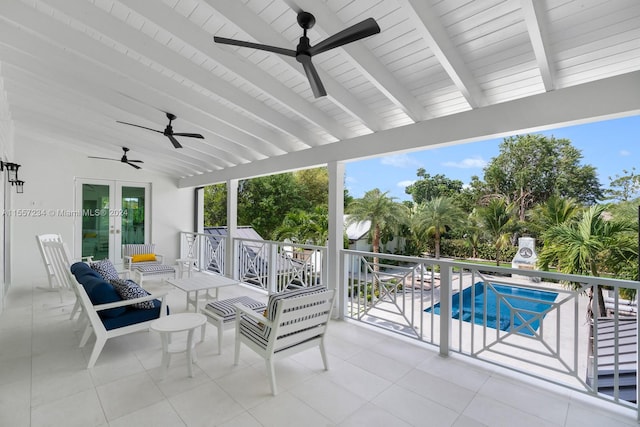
{"points": [[584, 246], [436, 215], [497, 219], [304, 227], [555, 211], [385, 215]]}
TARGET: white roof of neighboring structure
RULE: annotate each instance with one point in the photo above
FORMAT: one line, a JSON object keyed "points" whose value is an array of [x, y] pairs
{"points": [[356, 230]]}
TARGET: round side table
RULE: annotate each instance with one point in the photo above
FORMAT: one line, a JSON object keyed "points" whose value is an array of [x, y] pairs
{"points": [[179, 322]]}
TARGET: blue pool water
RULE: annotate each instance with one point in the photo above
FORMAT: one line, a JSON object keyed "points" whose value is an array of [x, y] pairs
{"points": [[514, 310]]}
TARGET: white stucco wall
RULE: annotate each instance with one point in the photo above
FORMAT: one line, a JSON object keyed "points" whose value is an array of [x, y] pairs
{"points": [[49, 171]]}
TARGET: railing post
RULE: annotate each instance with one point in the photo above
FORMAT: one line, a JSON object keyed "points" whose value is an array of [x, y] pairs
{"points": [[201, 251], [272, 274], [341, 290], [445, 309]]}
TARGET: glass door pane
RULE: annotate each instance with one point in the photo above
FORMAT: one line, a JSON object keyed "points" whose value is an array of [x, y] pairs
{"points": [[95, 220], [133, 210]]}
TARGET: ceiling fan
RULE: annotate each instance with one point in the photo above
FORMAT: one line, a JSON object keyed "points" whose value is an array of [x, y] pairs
{"points": [[123, 159], [304, 51], [168, 131]]}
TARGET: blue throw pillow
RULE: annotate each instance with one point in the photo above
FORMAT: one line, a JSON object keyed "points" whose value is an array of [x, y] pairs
{"points": [[128, 289], [106, 269]]}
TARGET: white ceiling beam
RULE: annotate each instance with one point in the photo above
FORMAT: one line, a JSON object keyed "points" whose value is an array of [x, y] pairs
{"points": [[117, 30], [77, 146], [242, 17], [363, 59], [131, 77], [88, 79], [80, 138], [549, 110], [534, 17], [433, 32], [92, 131], [183, 28], [77, 110]]}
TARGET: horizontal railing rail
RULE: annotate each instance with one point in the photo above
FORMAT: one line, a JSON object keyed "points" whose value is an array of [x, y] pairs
{"points": [[574, 331]]}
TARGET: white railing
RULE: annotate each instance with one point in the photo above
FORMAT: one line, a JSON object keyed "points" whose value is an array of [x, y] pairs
{"points": [[295, 265], [206, 250], [534, 323], [276, 266]]}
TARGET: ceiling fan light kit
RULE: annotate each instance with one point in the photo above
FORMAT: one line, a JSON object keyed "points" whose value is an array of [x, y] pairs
{"points": [[304, 51]]}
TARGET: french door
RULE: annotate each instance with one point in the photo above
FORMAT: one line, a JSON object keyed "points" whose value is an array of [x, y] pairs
{"points": [[110, 214]]}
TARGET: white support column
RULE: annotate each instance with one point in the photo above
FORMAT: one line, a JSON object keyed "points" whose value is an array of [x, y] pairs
{"points": [[336, 231], [199, 222], [232, 228]]}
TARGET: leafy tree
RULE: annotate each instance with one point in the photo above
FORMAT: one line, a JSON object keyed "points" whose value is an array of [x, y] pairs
{"points": [[625, 187], [497, 220], [436, 215], [263, 202], [314, 185], [531, 168], [583, 247], [215, 205], [429, 187]]}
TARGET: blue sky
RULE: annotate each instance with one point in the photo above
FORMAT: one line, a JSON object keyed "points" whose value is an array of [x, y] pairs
{"points": [[610, 146]]}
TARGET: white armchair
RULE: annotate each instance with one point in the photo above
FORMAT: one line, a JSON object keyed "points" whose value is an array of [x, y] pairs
{"points": [[294, 321]]}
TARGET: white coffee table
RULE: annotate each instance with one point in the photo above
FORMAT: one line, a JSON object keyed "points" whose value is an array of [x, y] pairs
{"points": [[179, 322], [201, 282]]}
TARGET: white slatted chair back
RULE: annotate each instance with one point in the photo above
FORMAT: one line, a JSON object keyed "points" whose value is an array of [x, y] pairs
{"points": [[58, 261], [299, 323]]}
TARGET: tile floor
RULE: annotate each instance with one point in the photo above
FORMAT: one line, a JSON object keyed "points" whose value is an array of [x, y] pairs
{"points": [[375, 380]]}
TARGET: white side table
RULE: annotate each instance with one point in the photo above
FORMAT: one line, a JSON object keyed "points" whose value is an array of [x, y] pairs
{"points": [[179, 322]]}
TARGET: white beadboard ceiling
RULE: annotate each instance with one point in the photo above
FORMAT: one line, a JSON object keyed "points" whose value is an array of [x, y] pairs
{"points": [[439, 72]]}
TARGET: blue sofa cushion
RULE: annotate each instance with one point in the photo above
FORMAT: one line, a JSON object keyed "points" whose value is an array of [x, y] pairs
{"points": [[98, 290], [133, 315]]}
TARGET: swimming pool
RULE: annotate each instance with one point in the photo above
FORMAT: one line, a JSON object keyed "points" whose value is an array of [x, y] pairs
{"points": [[524, 303]]}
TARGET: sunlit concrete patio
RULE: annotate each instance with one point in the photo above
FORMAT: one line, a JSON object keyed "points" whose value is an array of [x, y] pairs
{"points": [[374, 379]]}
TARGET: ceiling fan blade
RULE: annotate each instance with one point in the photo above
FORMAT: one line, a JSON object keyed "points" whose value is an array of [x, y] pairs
{"points": [[138, 126], [363, 29], [174, 141], [274, 49], [137, 161], [312, 74], [190, 135], [132, 165], [103, 158]]}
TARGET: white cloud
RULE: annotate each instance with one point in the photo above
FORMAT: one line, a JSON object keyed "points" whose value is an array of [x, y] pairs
{"points": [[405, 184], [625, 153], [400, 161], [468, 163]]}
